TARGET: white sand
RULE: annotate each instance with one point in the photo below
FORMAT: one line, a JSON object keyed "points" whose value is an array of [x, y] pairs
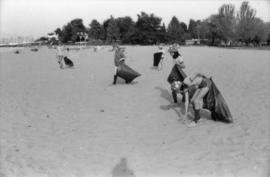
{"points": [[74, 123]]}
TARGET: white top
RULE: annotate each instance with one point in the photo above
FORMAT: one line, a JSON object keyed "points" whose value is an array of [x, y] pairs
{"points": [[60, 51], [178, 60], [162, 51]]}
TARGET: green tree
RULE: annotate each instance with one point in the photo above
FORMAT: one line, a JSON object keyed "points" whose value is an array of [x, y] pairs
{"points": [[77, 28], [113, 31], [126, 27], [246, 23], [226, 22], [214, 32], [203, 30], [148, 29], [66, 33], [95, 30], [70, 32], [184, 26], [192, 28], [259, 33], [175, 30]]}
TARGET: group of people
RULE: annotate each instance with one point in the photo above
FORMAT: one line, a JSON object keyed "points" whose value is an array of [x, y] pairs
{"points": [[196, 89]]}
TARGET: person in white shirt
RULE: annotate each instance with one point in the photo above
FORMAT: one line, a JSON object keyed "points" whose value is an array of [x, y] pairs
{"points": [[61, 52]]}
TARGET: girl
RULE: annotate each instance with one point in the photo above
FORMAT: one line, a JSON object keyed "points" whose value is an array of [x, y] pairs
{"points": [[158, 58], [202, 85]]}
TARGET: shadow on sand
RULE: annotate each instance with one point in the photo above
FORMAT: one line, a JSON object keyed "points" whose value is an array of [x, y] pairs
{"points": [[121, 169], [179, 108]]}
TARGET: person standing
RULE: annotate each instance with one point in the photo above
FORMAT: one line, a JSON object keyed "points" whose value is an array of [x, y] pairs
{"points": [[121, 69], [119, 58], [60, 54], [177, 73], [158, 58]]}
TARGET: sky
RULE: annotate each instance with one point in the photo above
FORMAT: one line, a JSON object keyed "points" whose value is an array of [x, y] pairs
{"points": [[38, 17]]}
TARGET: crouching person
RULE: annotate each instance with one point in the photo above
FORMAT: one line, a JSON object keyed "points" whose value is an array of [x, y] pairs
{"points": [[207, 96], [202, 85]]}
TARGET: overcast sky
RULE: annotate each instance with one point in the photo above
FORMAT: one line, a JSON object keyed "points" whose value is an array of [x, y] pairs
{"points": [[38, 17]]}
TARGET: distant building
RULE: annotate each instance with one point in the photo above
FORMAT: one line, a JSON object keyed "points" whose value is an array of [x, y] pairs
{"points": [[16, 40], [193, 42], [52, 35]]}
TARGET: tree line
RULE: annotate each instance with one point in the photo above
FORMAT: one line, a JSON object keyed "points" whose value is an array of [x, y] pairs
{"points": [[228, 26]]}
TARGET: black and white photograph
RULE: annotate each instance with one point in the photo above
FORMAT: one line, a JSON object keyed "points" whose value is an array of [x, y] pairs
{"points": [[134, 88]]}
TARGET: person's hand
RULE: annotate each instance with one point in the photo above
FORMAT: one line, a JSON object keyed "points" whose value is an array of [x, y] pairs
{"points": [[122, 59]]}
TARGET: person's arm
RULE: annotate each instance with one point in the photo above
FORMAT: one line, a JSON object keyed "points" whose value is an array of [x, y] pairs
{"points": [[122, 57]]}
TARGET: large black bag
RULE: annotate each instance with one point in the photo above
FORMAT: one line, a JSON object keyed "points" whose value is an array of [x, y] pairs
{"points": [[157, 58], [127, 73], [177, 74], [68, 62], [215, 102]]}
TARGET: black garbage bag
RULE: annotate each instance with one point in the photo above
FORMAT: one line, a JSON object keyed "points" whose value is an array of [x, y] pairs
{"points": [[215, 103], [177, 74], [68, 62], [157, 58], [127, 73]]}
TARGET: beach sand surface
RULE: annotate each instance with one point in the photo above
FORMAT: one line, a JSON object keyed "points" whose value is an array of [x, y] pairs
{"points": [[75, 123]]}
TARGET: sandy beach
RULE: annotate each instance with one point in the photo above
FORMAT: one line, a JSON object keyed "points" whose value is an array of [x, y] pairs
{"points": [[75, 123]]}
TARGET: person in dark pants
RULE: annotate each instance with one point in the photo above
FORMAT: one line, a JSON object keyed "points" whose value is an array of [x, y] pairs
{"points": [[119, 58], [158, 58], [177, 72]]}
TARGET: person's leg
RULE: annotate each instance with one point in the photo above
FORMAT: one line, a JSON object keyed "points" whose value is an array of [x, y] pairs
{"points": [[115, 76], [60, 61], [174, 94], [195, 95], [198, 103]]}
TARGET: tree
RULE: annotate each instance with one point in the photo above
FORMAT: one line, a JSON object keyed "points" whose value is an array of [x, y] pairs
{"points": [[77, 27], [246, 23], [214, 31], [162, 35], [192, 28], [70, 32], [203, 30], [66, 33], [267, 33], [148, 29], [175, 30], [226, 22], [259, 33], [113, 31], [268, 39], [126, 27], [184, 26], [95, 30]]}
